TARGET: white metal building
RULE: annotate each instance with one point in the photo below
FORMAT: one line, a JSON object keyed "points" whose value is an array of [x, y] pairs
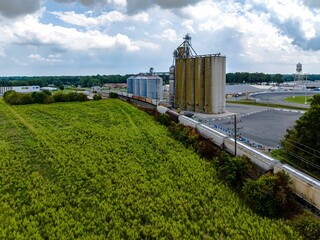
{"points": [[20, 89]]}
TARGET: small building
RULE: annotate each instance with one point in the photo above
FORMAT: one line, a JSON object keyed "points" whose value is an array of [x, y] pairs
{"points": [[150, 86]]}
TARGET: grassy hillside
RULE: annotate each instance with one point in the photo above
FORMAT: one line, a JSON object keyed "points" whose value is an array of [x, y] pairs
{"points": [[105, 170]]}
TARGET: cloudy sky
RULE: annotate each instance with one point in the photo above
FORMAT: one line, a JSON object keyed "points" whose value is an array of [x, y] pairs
{"points": [[89, 37]]}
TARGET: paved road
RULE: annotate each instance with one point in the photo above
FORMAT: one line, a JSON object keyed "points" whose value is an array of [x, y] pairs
{"points": [[277, 97]]}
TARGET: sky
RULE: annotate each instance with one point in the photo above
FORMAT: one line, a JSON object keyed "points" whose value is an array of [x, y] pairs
{"points": [[89, 37]]}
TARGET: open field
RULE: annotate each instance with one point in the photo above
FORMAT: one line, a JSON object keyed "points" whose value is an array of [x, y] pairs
{"points": [[105, 170], [298, 99]]}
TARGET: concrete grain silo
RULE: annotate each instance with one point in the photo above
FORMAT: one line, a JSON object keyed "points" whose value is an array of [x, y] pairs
{"points": [[200, 80]]}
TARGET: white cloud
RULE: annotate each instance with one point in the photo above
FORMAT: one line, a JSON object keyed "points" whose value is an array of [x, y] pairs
{"points": [[83, 20], [141, 17], [169, 35], [52, 58], [32, 32]]}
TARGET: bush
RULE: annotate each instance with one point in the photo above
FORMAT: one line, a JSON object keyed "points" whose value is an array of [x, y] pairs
{"points": [[307, 225], [163, 119], [113, 95], [97, 96], [41, 97], [70, 97], [233, 170], [15, 98], [269, 194]]}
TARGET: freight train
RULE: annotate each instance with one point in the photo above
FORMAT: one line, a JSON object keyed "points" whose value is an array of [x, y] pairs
{"points": [[302, 184]]}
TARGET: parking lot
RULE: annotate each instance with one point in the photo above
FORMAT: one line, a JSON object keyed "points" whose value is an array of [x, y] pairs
{"points": [[259, 125]]}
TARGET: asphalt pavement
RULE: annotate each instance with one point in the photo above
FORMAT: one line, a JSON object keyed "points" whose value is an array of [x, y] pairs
{"points": [[259, 125]]}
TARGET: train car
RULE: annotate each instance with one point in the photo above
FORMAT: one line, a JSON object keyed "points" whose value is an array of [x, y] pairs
{"points": [[162, 109], [149, 100], [263, 161], [186, 121], [135, 97], [142, 98], [302, 184], [174, 116], [211, 134]]}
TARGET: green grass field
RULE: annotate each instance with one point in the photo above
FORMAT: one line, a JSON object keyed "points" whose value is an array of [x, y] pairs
{"points": [[298, 99], [106, 170]]}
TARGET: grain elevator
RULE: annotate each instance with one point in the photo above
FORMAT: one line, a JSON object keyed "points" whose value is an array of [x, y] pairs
{"points": [[197, 82]]}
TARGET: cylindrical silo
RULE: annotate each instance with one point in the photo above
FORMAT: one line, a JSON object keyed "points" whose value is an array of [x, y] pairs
{"points": [[190, 84], [218, 68], [207, 85], [130, 84], [143, 86], [137, 86], [199, 84], [178, 83]]}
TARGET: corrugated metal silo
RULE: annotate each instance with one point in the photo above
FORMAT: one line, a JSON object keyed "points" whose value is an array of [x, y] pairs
{"points": [[199, 84], [190, 83], [143, 86], [207, 85], [179, 82], [130, 85]]}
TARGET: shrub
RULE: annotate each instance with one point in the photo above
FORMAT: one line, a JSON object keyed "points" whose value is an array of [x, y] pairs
{"points": [[163, 119], [15, 98], [268, 195], [113, 95], [59, 97], [41, 97], [233, 170], [97, 96], [70, 97], [307, 225]]}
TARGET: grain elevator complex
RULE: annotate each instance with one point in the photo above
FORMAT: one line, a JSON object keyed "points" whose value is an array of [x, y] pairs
{"points": [[197, 82]]}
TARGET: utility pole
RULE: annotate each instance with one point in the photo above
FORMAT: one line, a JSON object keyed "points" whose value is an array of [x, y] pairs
{"points": [[235, 135]]}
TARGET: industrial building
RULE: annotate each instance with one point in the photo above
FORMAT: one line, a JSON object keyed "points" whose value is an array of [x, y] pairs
{"points": [[198, 82], [20, 89], [146, 85]]}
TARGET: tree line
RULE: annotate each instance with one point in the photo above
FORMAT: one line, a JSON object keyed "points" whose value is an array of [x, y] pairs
{"points": [[99, 80], [83, 81], [254, 78]]}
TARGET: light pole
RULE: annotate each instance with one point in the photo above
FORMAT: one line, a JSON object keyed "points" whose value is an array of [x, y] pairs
{"points": [[305, 89]]}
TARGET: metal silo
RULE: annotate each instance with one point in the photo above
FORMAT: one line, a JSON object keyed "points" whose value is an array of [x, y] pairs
{"points": [[171, 84], [207, 85], [130, 84], [190, 84], [199, 80], [199, 84], [143, 86], [179, 82]]}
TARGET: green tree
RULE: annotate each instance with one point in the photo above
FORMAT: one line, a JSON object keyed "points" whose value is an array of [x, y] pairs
{"points": [[301, 144], [269, 194]]}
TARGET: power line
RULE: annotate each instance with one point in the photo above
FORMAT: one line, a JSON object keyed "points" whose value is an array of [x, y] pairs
{"points": [[302, 159], [303, 150], [304, 146]]}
